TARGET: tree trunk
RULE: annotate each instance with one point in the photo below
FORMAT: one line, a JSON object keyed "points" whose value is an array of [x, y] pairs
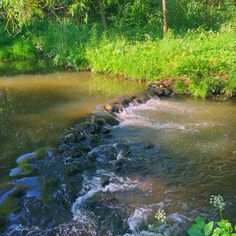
{"points": [[102, 13], [212, 4], [219, 4], [164, 16]]}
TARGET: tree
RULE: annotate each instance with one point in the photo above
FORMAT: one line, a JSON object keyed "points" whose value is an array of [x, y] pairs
{"points": [[102, 13], [164, 9]]}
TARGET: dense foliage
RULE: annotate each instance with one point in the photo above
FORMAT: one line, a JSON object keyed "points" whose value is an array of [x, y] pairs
{"points": [[125, 37]]}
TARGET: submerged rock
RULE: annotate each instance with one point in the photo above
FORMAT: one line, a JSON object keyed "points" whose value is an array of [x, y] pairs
{"points": [[73, 170], [105, 180], [108, 118], [79, 150], [123, 150], [104, 152], [63, 148], [26, 156], [149, 145]]}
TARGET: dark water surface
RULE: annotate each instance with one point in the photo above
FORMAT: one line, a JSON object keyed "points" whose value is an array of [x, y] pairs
{"points": [[182, 151]]}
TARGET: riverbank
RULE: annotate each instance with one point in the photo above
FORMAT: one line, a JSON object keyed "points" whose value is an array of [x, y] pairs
{"points": [[200, 63]]}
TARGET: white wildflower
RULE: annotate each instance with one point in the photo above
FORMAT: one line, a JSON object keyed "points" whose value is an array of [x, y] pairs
{"points": [[161, 216], [217, 201]]}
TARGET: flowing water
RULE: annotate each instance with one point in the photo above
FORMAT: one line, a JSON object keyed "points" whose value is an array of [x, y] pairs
{"points": [[36, 109], [195, 155], [182, 151]]}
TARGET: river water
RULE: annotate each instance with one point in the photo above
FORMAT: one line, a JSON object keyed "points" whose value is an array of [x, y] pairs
{"points": [[182, 151], [35, 110]]}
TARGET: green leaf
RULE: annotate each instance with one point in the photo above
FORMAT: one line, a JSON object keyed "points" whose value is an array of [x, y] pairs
{"points": [[208, 228], [200, 222], [195, 231], [198, 228]]}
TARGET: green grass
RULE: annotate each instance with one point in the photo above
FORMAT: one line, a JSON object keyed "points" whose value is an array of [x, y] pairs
{"points": [[204, 59], [202, 63]]}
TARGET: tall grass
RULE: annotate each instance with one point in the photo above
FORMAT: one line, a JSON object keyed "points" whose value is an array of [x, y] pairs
{"points": [[205, 60]]}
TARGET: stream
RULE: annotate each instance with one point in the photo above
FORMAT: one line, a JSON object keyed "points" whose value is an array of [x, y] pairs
{"points": [[178, 151]]}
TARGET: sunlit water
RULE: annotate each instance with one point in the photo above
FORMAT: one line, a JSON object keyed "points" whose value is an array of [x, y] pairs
{"points": [[194, 153], [36, 109]]}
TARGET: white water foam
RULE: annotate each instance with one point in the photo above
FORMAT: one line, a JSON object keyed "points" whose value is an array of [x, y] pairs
{"points": [[134, 116], [138, 219], [91, 186]]}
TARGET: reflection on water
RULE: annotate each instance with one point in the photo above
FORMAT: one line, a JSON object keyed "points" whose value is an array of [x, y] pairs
{"points": [[9, 68], [36, 109]]}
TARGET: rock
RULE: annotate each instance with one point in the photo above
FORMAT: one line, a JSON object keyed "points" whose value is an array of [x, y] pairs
{"points": [[70, 138], [167, 91], [91, 158], [117, 108], [49, 154], [114, 107], [23, 169], [152, 84], [161, 88], [152, 91], [79, 150], [104, 152], [149, 146], [108, 107], [108, 118], [72, 170], [74, 186], [15, 171], [76, 154], [106, 130], [92, 128], [19, 192], [82, 147], [124, 101], [26, 156], [105, 180], [120, 162], [78, 130], [63, 148], [123, 149], [137, 101], [100, 121]]}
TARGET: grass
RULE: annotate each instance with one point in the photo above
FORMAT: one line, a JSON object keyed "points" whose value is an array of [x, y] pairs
{"points": [[204, 60], [202, 63]]}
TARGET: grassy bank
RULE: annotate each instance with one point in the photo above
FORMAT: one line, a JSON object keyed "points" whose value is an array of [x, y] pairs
{"points": [[202, 63]]}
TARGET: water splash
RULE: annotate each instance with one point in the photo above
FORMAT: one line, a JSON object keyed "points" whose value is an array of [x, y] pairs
{"points": [[150, 115], [138, 219]]}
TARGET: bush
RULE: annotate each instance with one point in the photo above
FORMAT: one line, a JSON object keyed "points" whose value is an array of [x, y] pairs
{"points": [[23, 49]]}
